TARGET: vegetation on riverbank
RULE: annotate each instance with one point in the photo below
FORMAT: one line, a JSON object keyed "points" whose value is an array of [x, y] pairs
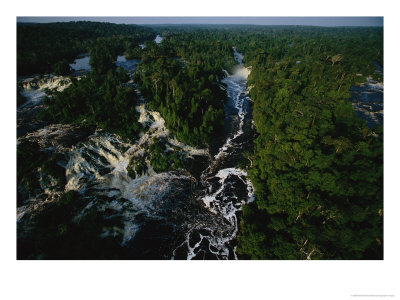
{"points": [[317, 169], [100, 99], [181, 78], [188, 97], [50, 47]]}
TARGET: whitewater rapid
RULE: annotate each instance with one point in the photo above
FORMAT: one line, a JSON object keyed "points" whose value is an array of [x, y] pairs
{"points": [[227, 187], [167, 215], [197, 219], [98, 169], [34, 89]]}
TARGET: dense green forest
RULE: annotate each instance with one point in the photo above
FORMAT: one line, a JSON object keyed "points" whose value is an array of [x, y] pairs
{"points": [[50, 47], [188, 97], [317, 169], [181, 78], [100, 99]]}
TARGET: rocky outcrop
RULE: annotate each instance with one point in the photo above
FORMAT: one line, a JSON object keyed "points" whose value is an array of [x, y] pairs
{"points": [[45, 81], [34, 90], [367, 100], [58, 137]]}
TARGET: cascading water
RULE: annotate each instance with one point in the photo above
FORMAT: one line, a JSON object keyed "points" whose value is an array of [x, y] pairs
{"points": [[151, 215], [149, 204], [170, 215], [226, 187]]}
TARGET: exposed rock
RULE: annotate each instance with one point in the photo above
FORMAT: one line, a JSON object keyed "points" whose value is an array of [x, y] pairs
{"points": [[45, 81], [34, 90], [367, 100], [58, 137]]}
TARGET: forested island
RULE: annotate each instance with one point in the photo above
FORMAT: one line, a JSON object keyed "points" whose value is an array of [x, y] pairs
{"points": [[207, 142]]}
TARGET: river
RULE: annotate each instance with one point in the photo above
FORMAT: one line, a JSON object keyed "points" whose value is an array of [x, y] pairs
{"points": [[81, 63], [169, 215], [225, 187]]}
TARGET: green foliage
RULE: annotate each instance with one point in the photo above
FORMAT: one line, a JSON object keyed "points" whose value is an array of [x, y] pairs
{"points": [[133, 52], [317, 169], [187, 96], [99, 99], [181, 78], [163, 159], [102, 58], [137, 167], [40, 47], [62, 67], [162, 156]]}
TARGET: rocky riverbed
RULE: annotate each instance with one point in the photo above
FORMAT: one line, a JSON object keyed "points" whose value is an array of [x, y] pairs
{"points": [[113, 198], [367, 100]]}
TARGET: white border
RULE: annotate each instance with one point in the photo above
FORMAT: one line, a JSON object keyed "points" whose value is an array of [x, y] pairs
{"points": [[196, 280]]}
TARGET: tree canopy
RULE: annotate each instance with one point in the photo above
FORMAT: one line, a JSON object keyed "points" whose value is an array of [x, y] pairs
{"points": [[317, 169], [101, 98], [44, 48]]}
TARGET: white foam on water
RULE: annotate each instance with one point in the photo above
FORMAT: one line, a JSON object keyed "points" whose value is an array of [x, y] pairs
{"points": [[34, 89], [236, 86], [130, 230], [21, 211], [188, 149], [158, 39], [222, 205], [103, 151], [221, 202], [238, 56], [227, 210]]}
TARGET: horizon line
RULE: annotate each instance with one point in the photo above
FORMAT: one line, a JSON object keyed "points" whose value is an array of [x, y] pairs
{"points": [[214, 24]]}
